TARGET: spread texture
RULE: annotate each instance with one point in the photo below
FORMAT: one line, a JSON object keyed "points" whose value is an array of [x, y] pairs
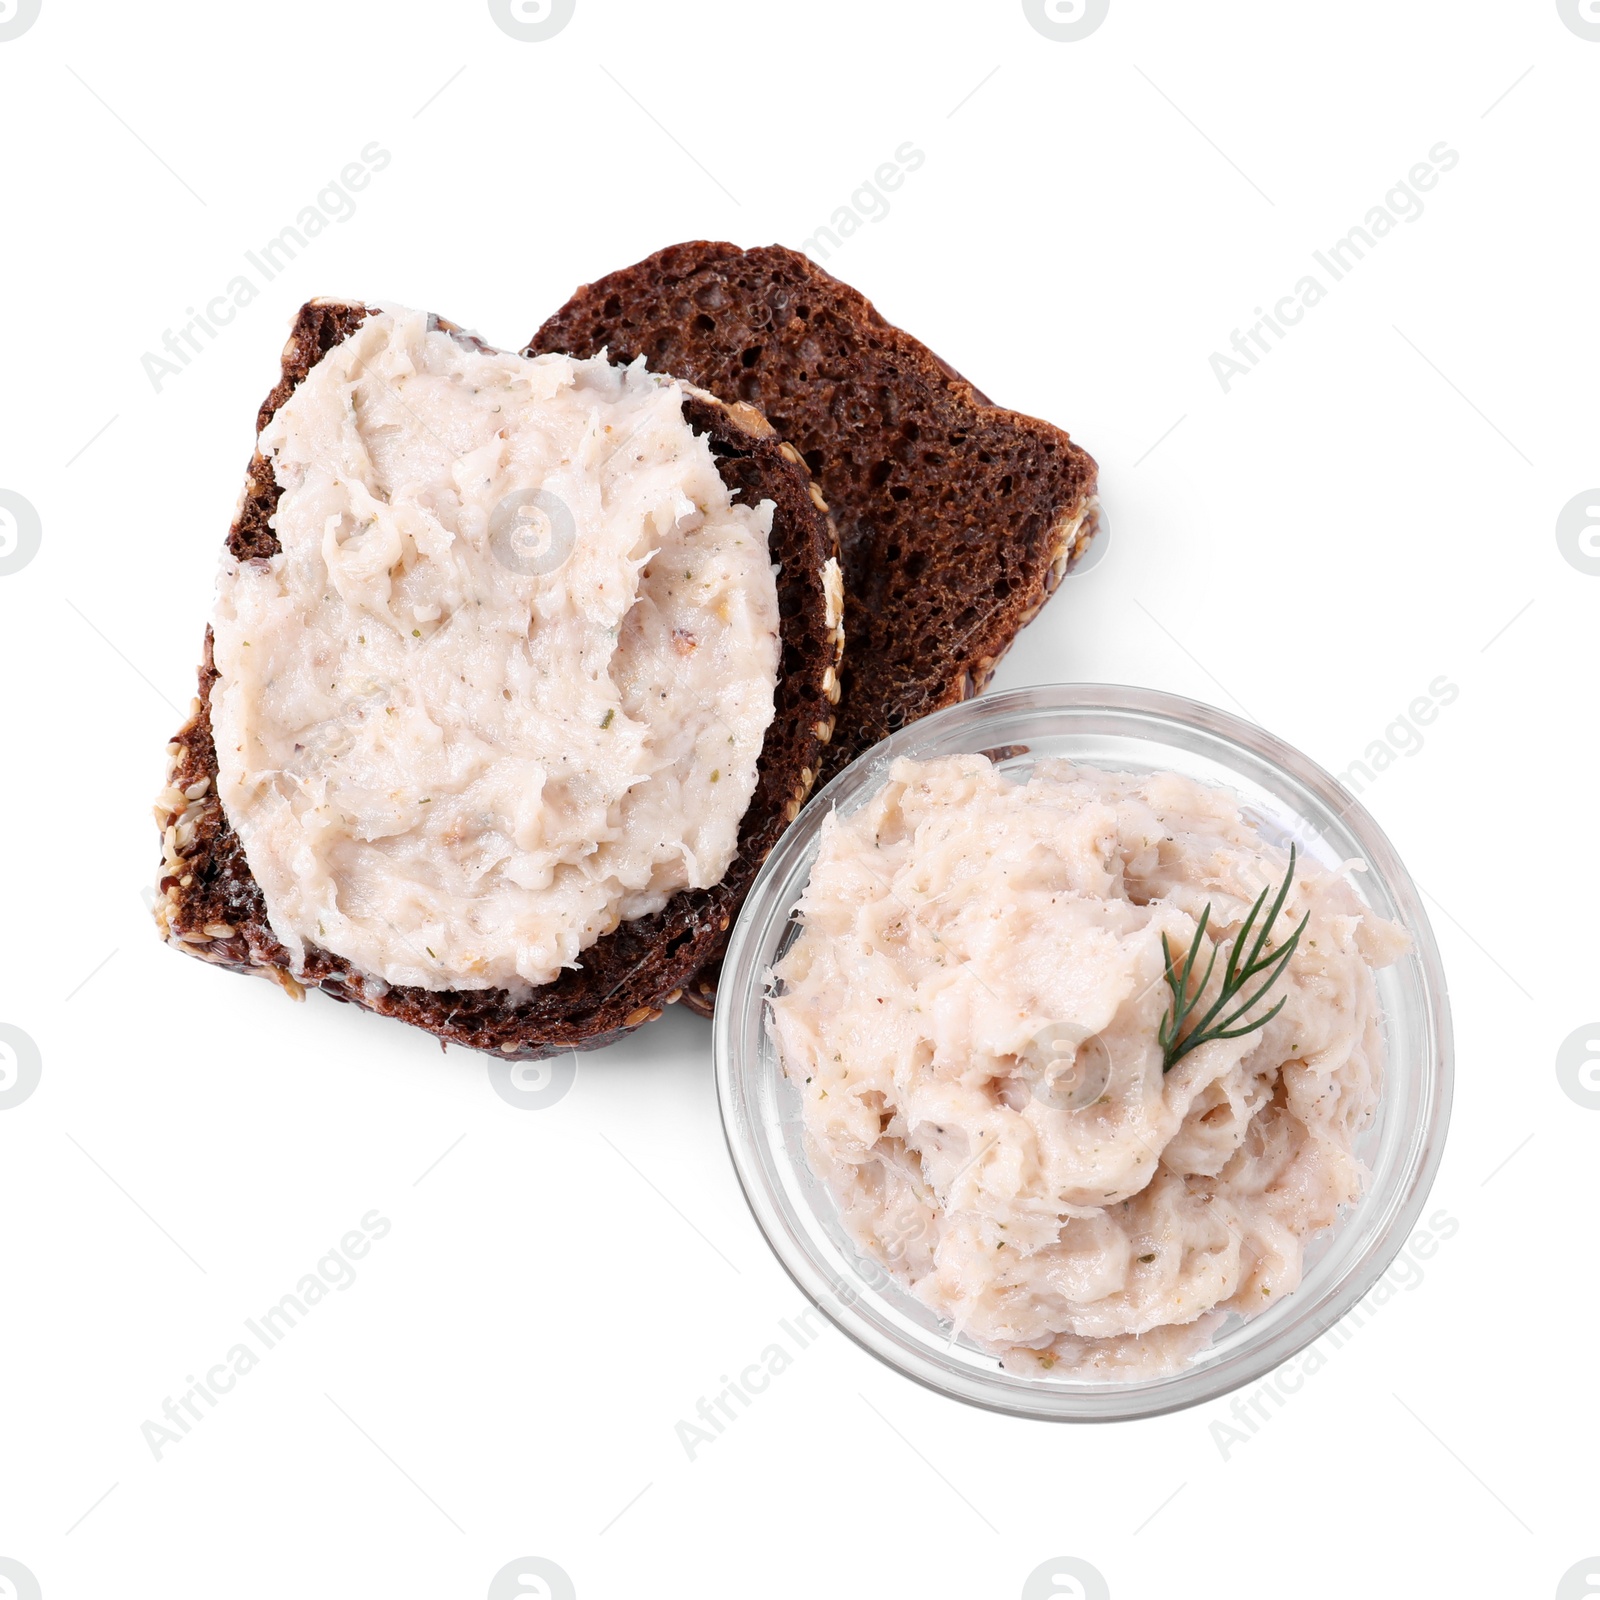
{"points": [[505, 681], [973, 1016]]}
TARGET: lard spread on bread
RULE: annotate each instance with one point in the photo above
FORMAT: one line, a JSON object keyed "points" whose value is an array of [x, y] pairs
{"points": [[506, 682]]}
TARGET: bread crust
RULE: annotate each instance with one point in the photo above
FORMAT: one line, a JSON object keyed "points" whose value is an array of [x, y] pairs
{"points": [[209, 905]]}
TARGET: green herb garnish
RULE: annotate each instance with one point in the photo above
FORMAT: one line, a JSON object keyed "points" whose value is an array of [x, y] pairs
{"points": [[1246, 963]]}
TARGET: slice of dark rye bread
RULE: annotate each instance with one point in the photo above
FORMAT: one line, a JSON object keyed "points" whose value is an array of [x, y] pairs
{"points": [[957, 519], [209, 905]]}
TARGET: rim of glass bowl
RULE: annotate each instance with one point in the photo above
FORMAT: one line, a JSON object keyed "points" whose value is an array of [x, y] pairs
{"points": [[1404, 1147]]}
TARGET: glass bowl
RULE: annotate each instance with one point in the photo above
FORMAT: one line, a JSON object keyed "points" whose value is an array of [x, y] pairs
{"points": [[1288, 798]]}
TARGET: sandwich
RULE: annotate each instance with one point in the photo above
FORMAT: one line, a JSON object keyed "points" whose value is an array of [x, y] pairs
{"points": [[519, 667]]}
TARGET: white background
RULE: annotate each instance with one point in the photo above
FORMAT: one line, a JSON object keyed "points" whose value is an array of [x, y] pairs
{"points": [[1372, 507]]}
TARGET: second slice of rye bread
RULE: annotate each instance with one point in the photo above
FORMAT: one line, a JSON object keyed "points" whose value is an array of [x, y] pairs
{"points": [[956, 518], [209, 904]]}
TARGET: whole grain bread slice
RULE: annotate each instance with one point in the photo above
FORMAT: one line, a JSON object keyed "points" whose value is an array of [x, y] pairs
{"points": [[957, 519], [209, 905]]}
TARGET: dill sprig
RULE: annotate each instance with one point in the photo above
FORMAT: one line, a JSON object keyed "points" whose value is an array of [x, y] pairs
{"points": [[1246, 962]]}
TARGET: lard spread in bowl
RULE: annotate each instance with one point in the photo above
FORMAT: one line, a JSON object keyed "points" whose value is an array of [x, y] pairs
{"points": [[1084, 1049]]}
